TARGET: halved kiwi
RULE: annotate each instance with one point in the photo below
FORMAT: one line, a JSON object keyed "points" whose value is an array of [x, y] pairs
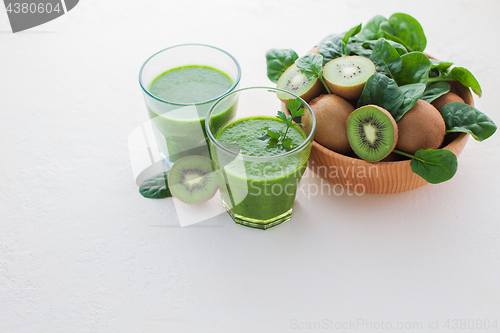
{"points": [[422, 127], [294, 81], [346, 76], [192, 180], [372, 132]]}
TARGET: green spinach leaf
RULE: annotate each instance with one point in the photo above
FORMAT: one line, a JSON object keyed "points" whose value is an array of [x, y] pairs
{"points": [[387, 31], [371, 44], [370, 29], [360, 48], [330, 47], [434, 165], [466, 78], [414, 69], [405, 30], [412, 93], [310, 65], [440, 65], [408, 29], [461, 117], [435, 90], [278, 60], [386, 59], [345, 40], [382, 91], [156, 187]]}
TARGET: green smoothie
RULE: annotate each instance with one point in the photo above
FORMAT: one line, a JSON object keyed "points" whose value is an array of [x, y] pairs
{"points": [[182, 127], [259, 190], [190, 84]]}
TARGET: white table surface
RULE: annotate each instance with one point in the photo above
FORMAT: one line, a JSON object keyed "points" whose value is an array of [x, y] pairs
{"points": [[82, 251]]}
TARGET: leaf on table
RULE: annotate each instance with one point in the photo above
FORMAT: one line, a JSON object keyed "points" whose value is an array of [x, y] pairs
{"points": [[156, 187]]}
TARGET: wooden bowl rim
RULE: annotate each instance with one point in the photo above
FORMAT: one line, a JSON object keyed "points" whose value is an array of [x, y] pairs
{"points": [[466, 95], [349, 159]]}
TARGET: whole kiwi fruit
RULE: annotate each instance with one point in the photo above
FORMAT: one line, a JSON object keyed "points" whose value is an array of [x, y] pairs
{"points": [[331, 112], [449, 97], [422, 127]]}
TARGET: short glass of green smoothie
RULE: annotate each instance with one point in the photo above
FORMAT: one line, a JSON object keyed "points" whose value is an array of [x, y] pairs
{"points": [[179, 85], [258, 174]]}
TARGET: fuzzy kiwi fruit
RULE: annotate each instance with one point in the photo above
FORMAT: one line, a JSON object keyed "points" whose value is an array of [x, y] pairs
{"points": [[331, 112], [372, 132], [422, 127], [346, 76], [294, 81], [449, 97], [192, 180]]}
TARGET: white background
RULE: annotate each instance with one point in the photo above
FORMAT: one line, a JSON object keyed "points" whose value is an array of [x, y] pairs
{"points": [[82, 251]]}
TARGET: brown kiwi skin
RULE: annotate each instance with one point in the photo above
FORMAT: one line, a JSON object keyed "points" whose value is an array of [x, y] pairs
{"points": [[316, 90], [449, 97], [331, 112], [350, 92], [422, 127]]}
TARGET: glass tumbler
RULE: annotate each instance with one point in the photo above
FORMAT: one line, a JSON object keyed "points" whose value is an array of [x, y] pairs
{"points": [[178, 98], [257, 190]]}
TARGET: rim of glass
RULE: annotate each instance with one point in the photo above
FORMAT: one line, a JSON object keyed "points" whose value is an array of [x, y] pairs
{"points": [[235, 84], [260, 158]]}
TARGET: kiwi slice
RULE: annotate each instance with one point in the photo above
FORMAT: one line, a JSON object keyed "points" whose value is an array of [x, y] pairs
{"points": [[294, 81], [372, 132], [192, 180], [346, 76]]}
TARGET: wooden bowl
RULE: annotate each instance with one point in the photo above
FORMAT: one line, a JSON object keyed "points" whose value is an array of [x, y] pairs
{"points": [[359, 176]]}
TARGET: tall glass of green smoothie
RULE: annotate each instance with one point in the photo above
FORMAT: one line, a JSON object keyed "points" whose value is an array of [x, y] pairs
{"points": [[179, 85], [260, 154]]}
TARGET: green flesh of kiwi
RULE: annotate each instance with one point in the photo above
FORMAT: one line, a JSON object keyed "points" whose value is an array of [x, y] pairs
{"points": [[294, 81], [192, 180], [372, 132], [346, 76]]}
